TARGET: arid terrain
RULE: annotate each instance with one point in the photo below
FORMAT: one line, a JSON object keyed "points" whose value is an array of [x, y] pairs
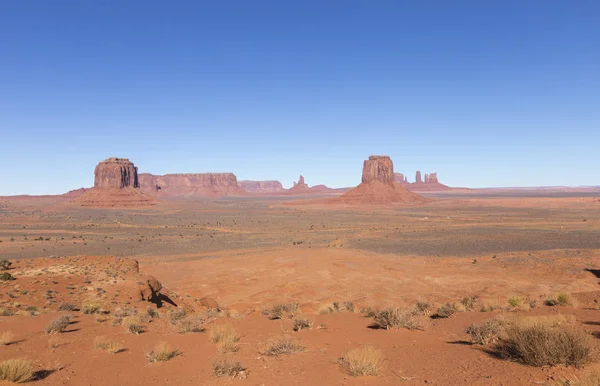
{"points": [[225, 264]]}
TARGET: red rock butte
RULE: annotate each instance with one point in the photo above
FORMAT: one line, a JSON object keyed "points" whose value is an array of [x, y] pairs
{"points": [[191, 184], [115, 185], [378, 186]]}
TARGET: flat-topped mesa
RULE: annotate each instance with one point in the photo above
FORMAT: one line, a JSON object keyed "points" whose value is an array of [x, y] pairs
{"points": [[191, 184], [401, 179], [378, 168], [115, 173], [261, 186]]}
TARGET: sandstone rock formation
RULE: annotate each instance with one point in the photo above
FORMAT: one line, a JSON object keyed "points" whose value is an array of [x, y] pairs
{"points": [[265, 187], [115, 173], [418, 179], [150, 289], [299, 187], [115, 185], [378, 186], [191, 184], [401, 179], [378, 168]]}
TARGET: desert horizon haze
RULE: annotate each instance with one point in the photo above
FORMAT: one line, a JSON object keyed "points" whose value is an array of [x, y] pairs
{"points": [[300, 193], [486, 94]]}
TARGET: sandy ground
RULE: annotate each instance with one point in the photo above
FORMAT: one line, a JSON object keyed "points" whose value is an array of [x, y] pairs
{"points": [[249, 254]]}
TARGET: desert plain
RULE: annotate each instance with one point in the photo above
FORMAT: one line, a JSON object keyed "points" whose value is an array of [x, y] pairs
{"points": [[225, 264]]}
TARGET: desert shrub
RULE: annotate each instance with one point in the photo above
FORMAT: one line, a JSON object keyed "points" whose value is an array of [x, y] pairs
{"points": [[16, 370], [6, 276], [58, 325], [105, 344], [121, 313], [423, 308], [176, 315], [485, 333], [362, 361], [152, 312], [561, 299], [226, 337], [5, 264], [223, 367], [468, 302], [90, 306], [349, 306], [301, 323], [544, 343], [337, 307], [6, 338], [279, 310], [162, 352], [282, 345], [447, 310], [397, 317], [369, 312], [67, 307], [192, 323], [592, 379], [132, 324], [516, 301]]}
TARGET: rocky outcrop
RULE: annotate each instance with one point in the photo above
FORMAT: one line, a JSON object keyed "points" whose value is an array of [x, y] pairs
{"points": [[115, 185], [115, 173], [418, 179], [265, 187], [192, 184], [299, 187], [401, 179], [378, 168], [378, 186]]}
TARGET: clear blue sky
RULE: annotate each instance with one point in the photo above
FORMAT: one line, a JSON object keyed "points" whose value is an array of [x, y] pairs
{"points": [[486, 93]]}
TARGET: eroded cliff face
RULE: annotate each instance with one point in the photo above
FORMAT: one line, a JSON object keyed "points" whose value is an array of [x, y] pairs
{"points": [[115, 173], [261, 186], [378, 168], [191, 184]]}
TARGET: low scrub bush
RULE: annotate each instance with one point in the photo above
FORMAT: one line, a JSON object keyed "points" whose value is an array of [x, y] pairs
{"points": [[362, 361]]}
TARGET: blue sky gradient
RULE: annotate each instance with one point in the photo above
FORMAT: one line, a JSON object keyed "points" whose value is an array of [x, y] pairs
{"points": [[486, 93]]}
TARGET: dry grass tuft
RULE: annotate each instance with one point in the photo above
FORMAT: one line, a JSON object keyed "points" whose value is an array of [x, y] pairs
{"points": [[516, 301], [132, 324], [589, 380], [16, 370], [192, 323], [362, 361], [91, 306], [487, 332], [58, 325], [282, 345], [398, 317], [6, 338], [423, 308], [162, 352], [561, 299], [226, 337], [279, 310], [447, 310], [105, 344], [543, 341], [301, 323], [223, 367]]}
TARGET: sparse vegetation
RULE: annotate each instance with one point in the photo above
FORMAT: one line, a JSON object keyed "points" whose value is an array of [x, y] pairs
{"points": [[398, 317], [223, 367], [177, 315], [162, 352], [546, 342], [192, 323], [90, 306], [152, 312], [423, 308], [132, 324], [561, 299], [279, 310], [468, 302], [6, 338], [58, 325], [6, 276], [282, 345], [105, 344], [5, 264], [337, 307], [301, 323], [516, 301], [362, 361], [16, 370], [447, 310], [487, 332], [226, 337]]}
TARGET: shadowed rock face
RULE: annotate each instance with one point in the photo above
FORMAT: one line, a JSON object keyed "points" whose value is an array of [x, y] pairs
{"points": [[378, 168], [115, 173]]}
